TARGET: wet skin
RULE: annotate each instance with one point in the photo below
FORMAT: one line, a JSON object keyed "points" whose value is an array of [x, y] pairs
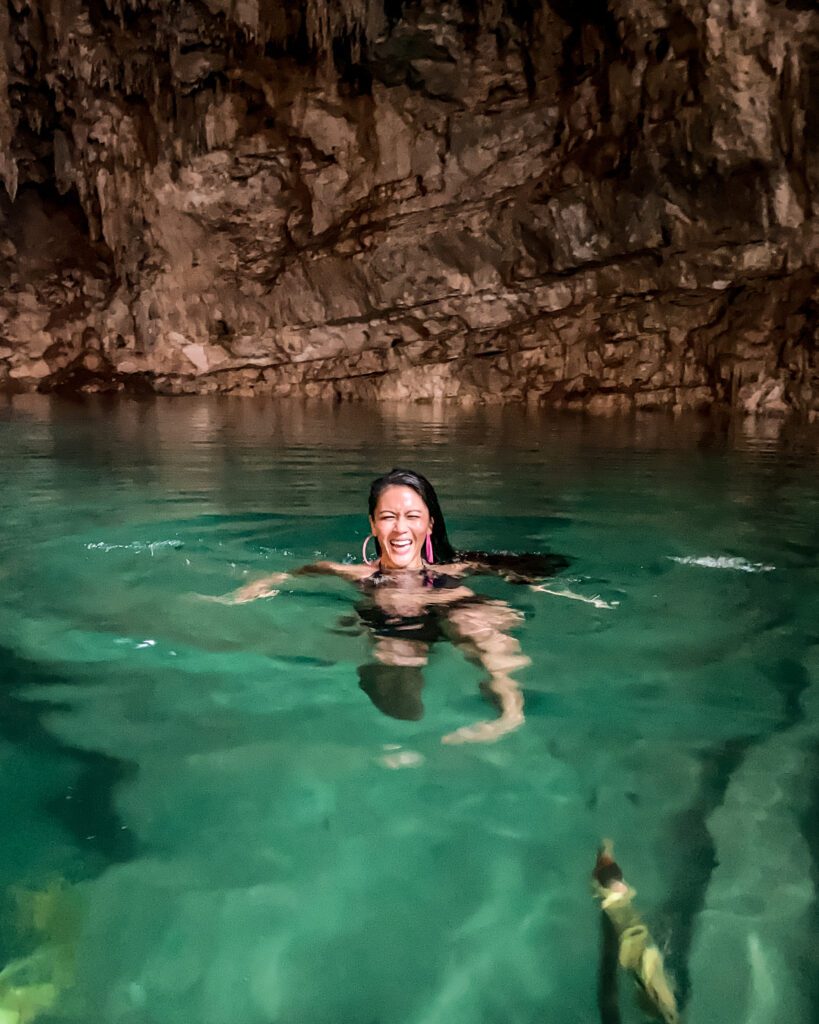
{"points": [[401, 524]]}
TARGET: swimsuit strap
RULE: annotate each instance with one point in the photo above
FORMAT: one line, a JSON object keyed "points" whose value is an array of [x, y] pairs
{"points": [[429, 578]]}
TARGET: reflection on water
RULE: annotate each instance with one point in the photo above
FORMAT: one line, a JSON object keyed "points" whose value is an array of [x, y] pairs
{"points": [[251, 840]]}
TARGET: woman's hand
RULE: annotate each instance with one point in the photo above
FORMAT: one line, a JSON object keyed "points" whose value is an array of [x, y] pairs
{"points": [[252, 591], [597, 601], [506, 693], [486, 732], [259, 589]]}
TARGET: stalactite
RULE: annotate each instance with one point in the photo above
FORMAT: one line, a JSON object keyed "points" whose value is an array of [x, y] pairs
{"points": [[8, 164], [473, 198]]}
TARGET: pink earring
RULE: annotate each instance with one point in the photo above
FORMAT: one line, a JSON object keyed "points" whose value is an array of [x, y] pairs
{"points": [[428, 549], [367, 540]]}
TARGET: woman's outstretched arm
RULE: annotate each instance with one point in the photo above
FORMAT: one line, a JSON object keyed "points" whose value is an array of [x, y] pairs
{"points": [[268, 586], [596, 600]]}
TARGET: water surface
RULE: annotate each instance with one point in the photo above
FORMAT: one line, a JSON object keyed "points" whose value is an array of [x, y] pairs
{"points": [[208, 783]]}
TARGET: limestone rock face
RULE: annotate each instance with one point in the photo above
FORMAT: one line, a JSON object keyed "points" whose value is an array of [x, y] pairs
{"points": [[603, 206]]}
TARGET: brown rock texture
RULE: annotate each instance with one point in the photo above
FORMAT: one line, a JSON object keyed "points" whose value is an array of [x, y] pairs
{"points": [[607, 205]]}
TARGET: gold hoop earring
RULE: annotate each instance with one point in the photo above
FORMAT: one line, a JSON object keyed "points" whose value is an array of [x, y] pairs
{"points": [[367, 540]]}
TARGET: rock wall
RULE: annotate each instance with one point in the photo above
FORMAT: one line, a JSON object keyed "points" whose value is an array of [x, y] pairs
{"points": [[604, 205]]}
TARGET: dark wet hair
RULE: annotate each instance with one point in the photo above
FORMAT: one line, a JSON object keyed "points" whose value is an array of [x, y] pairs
{"points": [[516, 568]]}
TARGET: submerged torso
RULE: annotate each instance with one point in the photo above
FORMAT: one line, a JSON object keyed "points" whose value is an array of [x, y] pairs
{"points": [[410, 605]]}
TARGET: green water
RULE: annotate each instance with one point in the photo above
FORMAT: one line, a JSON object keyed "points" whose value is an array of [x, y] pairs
{"points": [[211, 782]]}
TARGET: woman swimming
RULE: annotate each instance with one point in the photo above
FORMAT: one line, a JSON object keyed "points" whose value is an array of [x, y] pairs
{"points": [[413, 595]]}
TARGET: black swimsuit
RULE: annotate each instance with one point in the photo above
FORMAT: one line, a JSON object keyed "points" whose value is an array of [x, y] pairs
{"points": [[429, 578], [424, 627], [396, 689]]}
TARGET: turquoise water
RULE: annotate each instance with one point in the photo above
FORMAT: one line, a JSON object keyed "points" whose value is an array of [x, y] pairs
{"points": [[214, 789]]}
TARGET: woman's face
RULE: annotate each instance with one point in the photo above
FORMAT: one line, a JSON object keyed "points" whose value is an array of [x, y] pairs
{"points": [[400, 524]]}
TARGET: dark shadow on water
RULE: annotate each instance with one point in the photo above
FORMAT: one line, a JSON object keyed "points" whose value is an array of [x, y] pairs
{"points": [[691, 845], [689, 836], [791, 679], [90, 815], [607, 988], [809, 826]]}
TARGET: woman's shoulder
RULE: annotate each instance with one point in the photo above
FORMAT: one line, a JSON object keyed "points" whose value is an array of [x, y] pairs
{"points": [[452, 568]]}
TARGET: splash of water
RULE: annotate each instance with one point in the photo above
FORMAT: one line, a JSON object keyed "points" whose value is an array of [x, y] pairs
{"points": [[722, 562]]}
